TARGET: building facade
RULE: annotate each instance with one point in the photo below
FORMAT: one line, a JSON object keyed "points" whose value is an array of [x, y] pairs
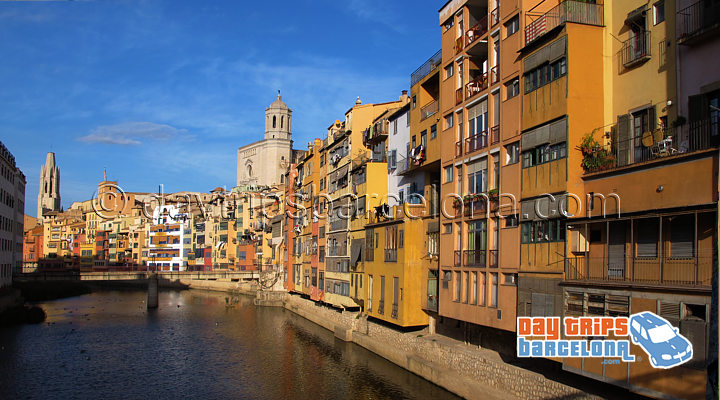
{"points": [[12, 212]]}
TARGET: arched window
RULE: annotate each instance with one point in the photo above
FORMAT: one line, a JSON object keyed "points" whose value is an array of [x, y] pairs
{"points": [[282, 122], [249, 169], [274, 121]]}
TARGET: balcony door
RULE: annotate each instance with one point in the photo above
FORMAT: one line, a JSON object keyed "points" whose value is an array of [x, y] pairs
{"points": [[616, 250]]}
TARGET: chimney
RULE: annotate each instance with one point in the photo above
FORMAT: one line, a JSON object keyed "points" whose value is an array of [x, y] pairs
{"points": [[404, 97]]}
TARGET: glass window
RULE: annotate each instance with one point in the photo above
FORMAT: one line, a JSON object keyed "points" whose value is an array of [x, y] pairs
{"points": [[512, 26], [449, 121], [512, 153], [659, 12], [448, 174], [449, 70], [512, 88], [433, 131]]}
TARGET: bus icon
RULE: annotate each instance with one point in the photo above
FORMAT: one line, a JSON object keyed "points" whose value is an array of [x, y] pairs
{"points": [[661, 341]]}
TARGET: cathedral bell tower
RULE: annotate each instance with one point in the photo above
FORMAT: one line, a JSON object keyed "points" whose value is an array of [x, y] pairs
{"points": [[278, 120]]}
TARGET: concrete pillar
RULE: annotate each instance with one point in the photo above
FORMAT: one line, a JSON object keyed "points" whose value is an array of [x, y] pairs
{"points": [[431, 325], [152, 300]]}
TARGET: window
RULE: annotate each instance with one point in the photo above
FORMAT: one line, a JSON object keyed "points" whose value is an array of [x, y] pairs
{"points": [[473, 288], [449, 23], [512, 26], [512, 88], [449, 70], [458, 286], [447, 277], [494, 289], [449, 121], [483, 289], [434, 243], [447, 228], [682, 236], [433, 131], [648, 234], [659, 12], [466, 279], [401, 239], [414, 101], [511, 221], [448, 174], [512, 153], [544, 74], [510, 279]]}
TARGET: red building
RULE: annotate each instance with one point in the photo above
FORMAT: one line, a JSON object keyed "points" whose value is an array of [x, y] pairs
{"points": [[32, 248]]}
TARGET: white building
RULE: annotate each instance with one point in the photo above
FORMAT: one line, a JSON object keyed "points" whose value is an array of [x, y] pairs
{"points": [[168, 230], [398, 148], [265, 162], [12, 213]]}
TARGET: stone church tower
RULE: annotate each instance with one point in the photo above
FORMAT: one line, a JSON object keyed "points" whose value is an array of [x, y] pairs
{"points": [[49, 194], [265, 162], [278, 119]]}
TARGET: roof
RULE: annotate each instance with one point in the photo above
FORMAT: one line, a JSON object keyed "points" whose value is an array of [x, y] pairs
{"points": [[278, 103]]}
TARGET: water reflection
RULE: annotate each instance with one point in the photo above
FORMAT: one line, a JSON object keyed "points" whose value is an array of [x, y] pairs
{"points": [[197, 344]]}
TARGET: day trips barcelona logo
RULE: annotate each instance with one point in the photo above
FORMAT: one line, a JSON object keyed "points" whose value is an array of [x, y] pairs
{"points": [[659, 339]]}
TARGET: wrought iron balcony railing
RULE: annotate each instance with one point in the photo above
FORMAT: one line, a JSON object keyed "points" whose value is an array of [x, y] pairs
{"points": [[567, 11], [697, 19], [636, 49]]}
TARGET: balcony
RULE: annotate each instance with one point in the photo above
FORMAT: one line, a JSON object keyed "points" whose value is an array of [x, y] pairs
{"points": [[426, 68], [475, 258], [476, 31], [390, 255], [495, 16], [696, 21], [429, 110], [494, 74], [376, 132], [495, 134], [477, 85], [493, 263], [459, 44], [567, 11], [662, 144], [664, 271], [476, 142], [635, 50]]}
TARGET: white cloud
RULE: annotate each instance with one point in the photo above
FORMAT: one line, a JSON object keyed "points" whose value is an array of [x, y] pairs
{"points": [[131, 133]]}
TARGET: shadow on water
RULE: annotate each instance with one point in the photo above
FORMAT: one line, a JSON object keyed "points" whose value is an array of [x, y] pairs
{"points": [[196, 344]]}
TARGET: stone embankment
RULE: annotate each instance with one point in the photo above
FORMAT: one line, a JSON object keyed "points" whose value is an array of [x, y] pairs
{"points": [[466, 371]]}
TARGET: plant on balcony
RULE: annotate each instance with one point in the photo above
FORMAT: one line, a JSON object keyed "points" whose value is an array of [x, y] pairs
{"points": [[595, 156], [493, 193], [679, 121]]}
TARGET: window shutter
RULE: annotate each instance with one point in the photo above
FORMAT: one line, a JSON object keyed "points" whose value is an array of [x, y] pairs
{"points": [[623, 140], [652, 119], [698, 108], [647, 237], [537, 305], [682, 236]]}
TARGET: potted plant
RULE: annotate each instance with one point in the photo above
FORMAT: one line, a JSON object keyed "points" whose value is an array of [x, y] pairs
{"points": [[595, 156]]}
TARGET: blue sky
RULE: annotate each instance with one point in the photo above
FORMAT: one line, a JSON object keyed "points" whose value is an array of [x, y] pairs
{"points": [[180, 85]]}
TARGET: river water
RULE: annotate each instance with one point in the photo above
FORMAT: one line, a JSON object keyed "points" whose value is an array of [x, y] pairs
{"points": [[207, 345]]}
